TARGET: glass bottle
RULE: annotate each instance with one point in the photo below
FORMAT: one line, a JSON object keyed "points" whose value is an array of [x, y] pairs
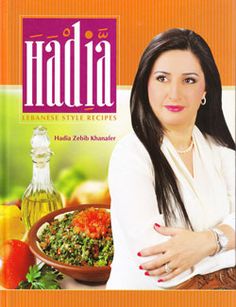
{"points": [[40, 197]]}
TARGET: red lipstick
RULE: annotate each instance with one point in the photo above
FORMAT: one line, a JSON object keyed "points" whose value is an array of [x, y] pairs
{"points": [[174, 108]]}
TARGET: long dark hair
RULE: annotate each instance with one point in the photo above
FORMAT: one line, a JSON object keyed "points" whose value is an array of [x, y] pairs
{"points": [[210, 119]]}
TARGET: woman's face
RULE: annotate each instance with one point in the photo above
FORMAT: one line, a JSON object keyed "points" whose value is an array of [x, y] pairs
{"points": [[175, 88]]}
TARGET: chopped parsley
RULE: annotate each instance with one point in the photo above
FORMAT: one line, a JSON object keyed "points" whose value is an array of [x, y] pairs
{"points": [[67, 241]]}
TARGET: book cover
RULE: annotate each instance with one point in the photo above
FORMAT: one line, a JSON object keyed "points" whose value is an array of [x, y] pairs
{"points": [[66, 73]]}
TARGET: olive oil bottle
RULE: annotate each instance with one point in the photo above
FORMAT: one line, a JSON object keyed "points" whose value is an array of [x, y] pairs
{"points": [[40, 197]]}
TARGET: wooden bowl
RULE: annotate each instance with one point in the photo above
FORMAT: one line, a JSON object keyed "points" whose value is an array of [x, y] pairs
{"points": [[85, 274]]}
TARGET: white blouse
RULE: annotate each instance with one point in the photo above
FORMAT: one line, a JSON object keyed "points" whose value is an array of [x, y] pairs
{"points": [[209, 198]]}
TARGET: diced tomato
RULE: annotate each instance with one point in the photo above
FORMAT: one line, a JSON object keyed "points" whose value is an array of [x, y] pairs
{"points": [[94, 222]]}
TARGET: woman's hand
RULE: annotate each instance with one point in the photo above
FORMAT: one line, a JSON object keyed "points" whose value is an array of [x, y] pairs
{"points": [[181, 252]]}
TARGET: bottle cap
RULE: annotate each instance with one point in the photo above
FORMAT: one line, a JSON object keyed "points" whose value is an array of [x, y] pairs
{"points": [[40, 143]]}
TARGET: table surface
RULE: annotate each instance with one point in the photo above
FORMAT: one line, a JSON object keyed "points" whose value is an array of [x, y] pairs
{"points": [[71, 284]]}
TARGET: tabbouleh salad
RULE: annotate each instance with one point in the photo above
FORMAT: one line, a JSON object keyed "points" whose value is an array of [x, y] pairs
{"points": [[81, 238]]}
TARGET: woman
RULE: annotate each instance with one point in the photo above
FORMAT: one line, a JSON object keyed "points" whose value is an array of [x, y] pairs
{"points": [[172, 179]]}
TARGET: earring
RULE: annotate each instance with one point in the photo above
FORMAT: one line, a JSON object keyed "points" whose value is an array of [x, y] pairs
{"points": [[203, 101]]}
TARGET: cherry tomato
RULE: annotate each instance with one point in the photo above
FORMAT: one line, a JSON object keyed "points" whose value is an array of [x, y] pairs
{"points": [[15, 263]]}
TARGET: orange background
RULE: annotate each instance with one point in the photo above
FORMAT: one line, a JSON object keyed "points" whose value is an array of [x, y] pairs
{"points": [[139, 21], [60, 298]]}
